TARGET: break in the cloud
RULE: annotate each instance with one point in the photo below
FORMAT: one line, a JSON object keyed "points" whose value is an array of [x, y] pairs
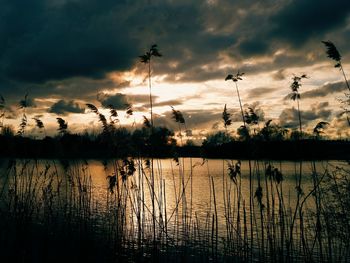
{"points": [[63, 107]]}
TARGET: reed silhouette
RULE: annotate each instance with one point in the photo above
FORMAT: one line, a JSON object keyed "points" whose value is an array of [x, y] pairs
{"points": [[147, 59], [226, 117], [62, 126], [23, 104], [318, 129], [295, 96], [235, 79], [333, 53]]}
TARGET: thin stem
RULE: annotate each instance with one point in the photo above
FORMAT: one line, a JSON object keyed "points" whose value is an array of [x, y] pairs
{"points": [[346, 81], [240, 104], [347, 84], [299, 114], [150, 90]]}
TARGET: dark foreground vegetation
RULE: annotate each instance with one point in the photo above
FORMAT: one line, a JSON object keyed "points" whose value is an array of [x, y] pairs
{"points": [[51, 211]]}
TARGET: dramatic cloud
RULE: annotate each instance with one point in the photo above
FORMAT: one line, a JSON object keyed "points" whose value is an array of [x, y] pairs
{"points": [[289, 118], [121, 101], [259, 92], [63, 107], [325, 90], [168, 103], [299, 21], [64, 39], [44, 41], [118, 101], [279, 75]]}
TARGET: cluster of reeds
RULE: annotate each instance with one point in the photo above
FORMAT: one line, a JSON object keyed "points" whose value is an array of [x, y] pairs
{"points": [[249, 216]]}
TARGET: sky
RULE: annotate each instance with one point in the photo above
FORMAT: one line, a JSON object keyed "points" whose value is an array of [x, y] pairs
{"points": [[66, 53]]}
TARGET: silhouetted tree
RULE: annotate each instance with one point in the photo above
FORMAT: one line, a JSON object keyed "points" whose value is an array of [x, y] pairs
{"points": [[217, 139], [243, 133], [272, 131], [161, 136]]}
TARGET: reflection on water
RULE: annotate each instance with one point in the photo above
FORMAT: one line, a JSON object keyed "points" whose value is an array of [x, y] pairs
{"points": [[188, 199], [197, 176]]}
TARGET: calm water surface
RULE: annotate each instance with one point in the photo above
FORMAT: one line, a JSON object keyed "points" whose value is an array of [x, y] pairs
{"points": [[191, 184]]}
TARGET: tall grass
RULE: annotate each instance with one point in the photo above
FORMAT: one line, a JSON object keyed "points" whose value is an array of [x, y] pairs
{"points": [[295, 96], [45, 203]]}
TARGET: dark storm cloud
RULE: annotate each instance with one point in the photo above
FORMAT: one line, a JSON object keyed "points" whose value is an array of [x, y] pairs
{"points": [[63, 107], [121, 101], [44, 41], [324, 90], [253, 47], [47, 40], [300, 20], [49, 47]]}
